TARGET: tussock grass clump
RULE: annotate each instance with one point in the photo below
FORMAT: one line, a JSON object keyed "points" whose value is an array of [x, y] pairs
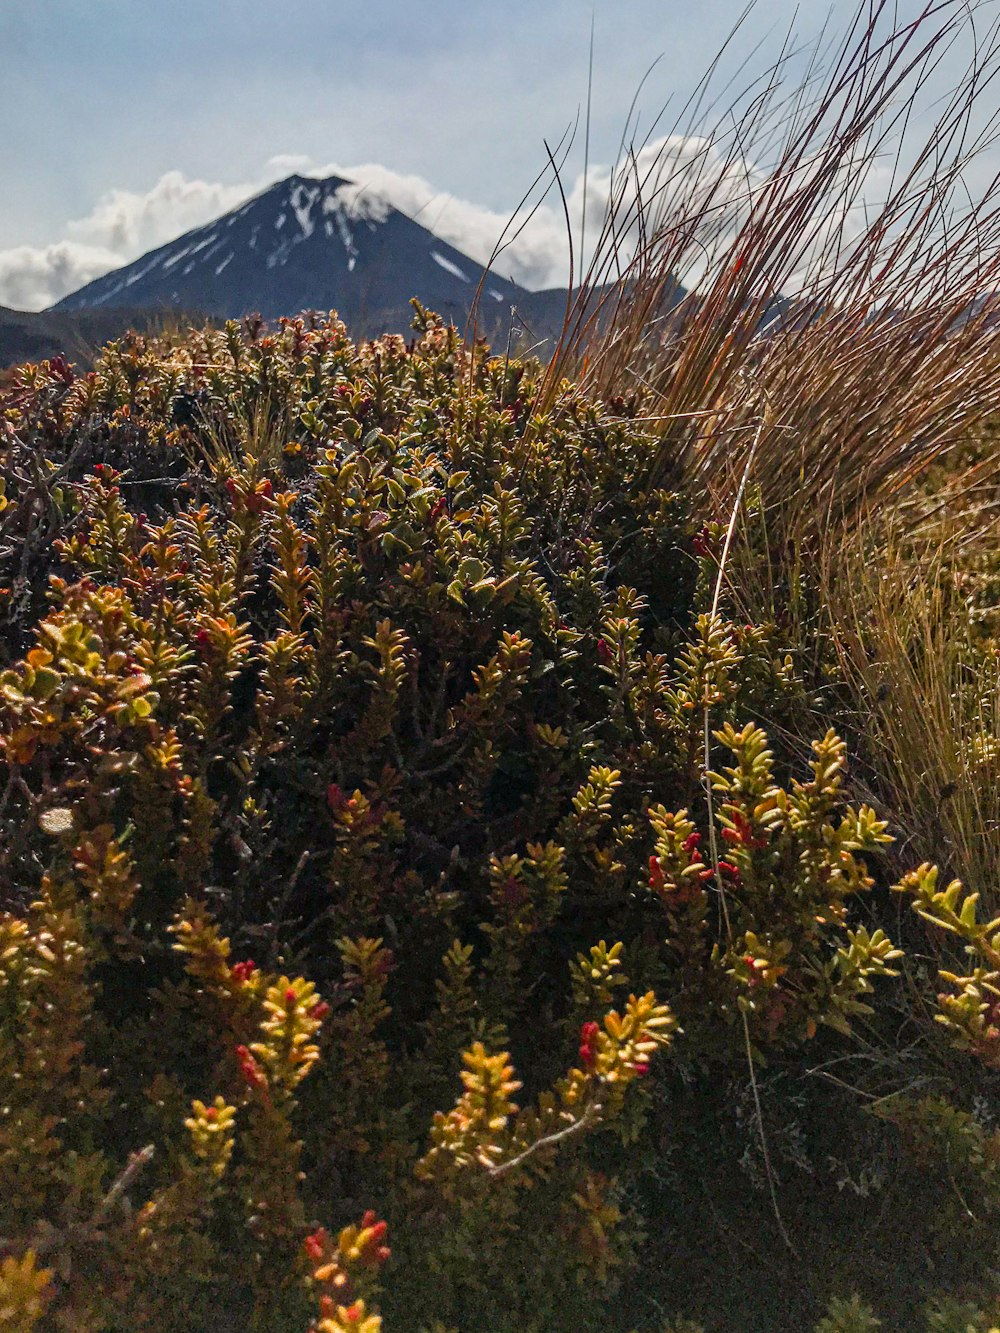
{"points": [[839, 269]]}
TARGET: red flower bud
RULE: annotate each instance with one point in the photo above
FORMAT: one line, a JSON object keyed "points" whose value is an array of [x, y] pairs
{"points": [[60, 367], [692, 843], [242, 972], [319, 1011], [253, 1075], [700, 542], [315, 1244], [291, 999], [373, 1252], [657, 879], [604, 653], [588, 1044]]}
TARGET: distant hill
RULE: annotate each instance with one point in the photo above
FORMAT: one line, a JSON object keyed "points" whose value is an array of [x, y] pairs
{"points": [[27, 335]]}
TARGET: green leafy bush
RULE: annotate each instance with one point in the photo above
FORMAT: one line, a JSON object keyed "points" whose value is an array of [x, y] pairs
{"points": [[353, 728]]}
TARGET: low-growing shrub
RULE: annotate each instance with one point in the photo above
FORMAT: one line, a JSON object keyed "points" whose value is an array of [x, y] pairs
{"points": [[358, 858]]}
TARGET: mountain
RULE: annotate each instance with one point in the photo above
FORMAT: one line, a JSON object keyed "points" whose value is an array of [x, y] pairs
{"points": [[307, 244]]}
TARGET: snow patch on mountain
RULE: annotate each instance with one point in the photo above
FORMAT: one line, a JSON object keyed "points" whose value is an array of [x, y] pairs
{"points": [[449, 267], [332, 203], [303, 210]]}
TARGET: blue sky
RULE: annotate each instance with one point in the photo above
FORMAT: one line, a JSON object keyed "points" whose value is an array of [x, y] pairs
{"points": [[102, 96]]}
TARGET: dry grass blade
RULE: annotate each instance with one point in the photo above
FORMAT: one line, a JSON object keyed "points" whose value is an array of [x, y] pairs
{"points": [[880, 351], [927, 685]]}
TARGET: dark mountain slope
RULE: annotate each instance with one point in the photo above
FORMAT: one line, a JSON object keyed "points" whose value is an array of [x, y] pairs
{"points": [[307, 244], [27, 335]]}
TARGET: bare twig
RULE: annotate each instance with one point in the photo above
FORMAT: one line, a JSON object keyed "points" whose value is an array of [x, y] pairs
{"points": [[591, 1115]]}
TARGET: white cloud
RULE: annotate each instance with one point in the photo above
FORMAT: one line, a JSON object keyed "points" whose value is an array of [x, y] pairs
{"points": [[32, 278], [537, 258], [678, 174], [125, 223]]}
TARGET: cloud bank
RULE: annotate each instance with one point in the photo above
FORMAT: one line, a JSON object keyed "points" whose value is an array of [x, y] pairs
{"points": [[125, 224], [122, 225]]}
